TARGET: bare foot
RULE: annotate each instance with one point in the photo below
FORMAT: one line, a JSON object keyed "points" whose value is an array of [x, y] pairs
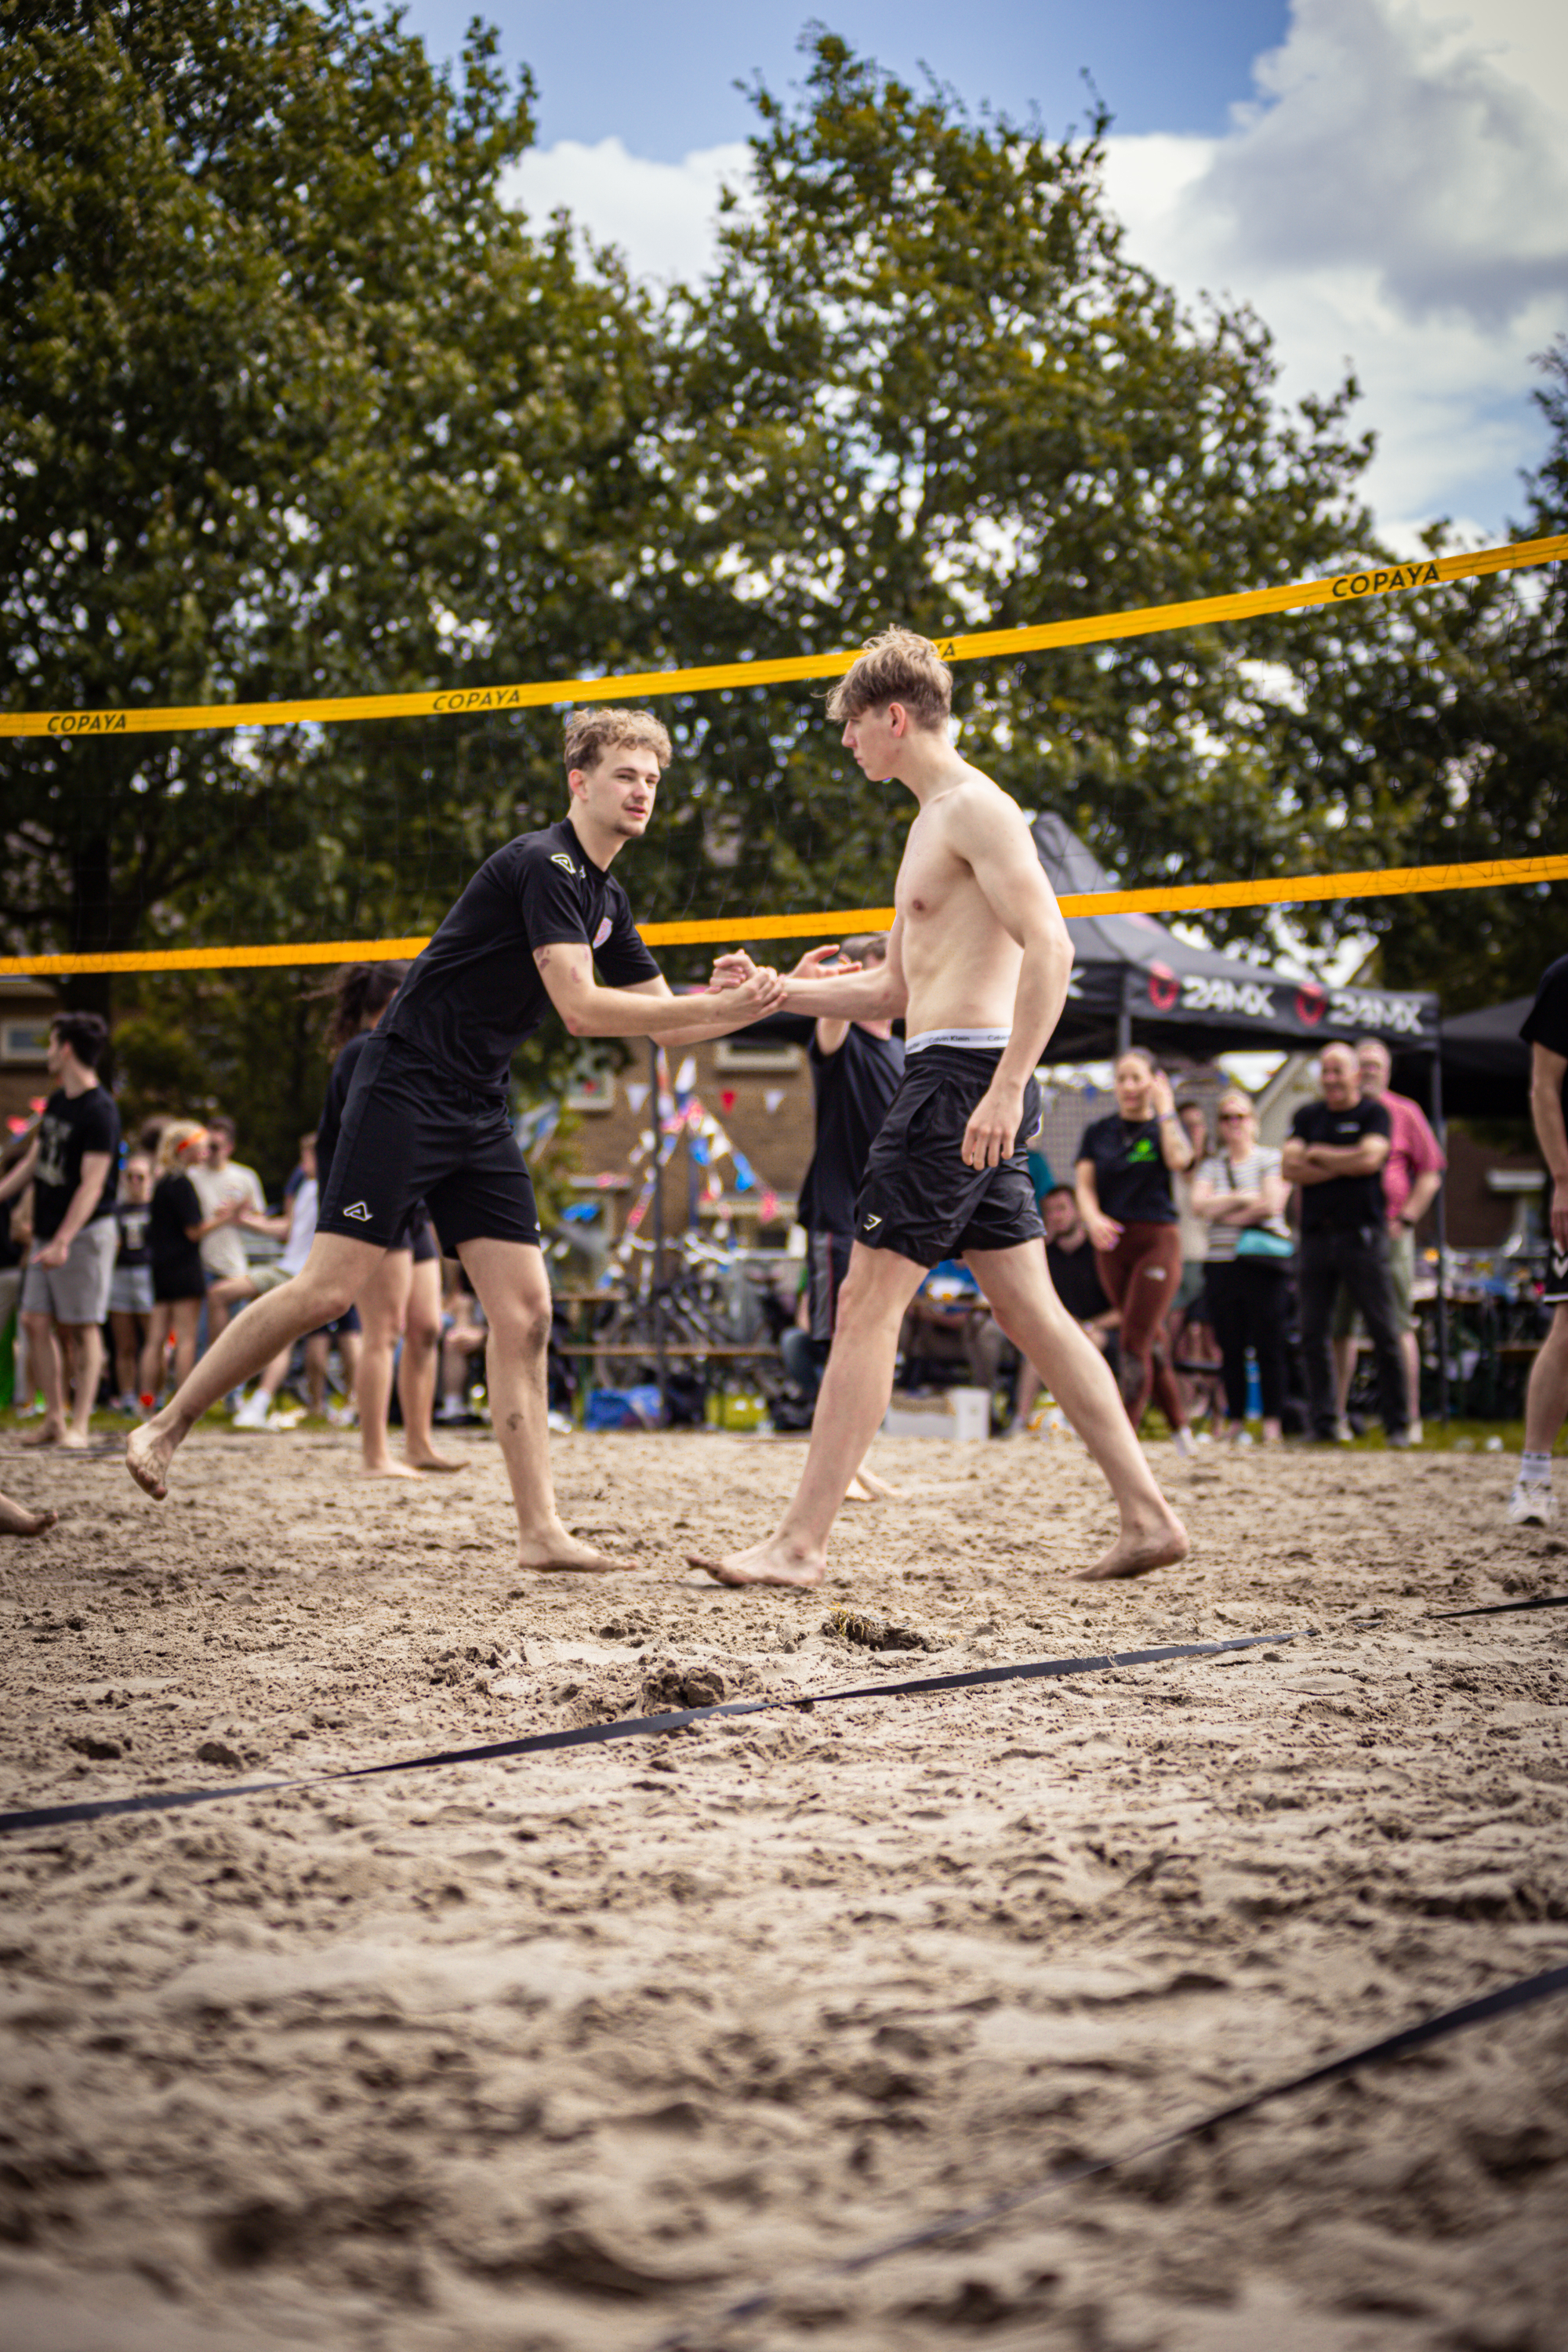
{"points": [[434, 1461], [17, 1520], [867, 1487], [76, 1440], [772, 1562], [48, 1432], [557, 1550], [1137, 1550], [147, 1457], [387, 1469]]}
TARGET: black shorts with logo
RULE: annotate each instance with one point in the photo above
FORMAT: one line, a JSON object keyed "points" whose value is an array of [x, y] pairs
{"points": [[411, 1133], [1556, 1291], [918, 1198]]}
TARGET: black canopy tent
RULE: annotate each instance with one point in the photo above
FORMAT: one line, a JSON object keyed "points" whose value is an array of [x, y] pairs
{"points": [[1134, 982], [1484, 1063]]}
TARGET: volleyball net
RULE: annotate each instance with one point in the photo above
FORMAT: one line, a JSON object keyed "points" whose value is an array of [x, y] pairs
{"points": [[256, 836]]}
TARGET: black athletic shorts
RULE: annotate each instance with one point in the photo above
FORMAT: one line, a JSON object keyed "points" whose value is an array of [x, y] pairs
{"points": [[411, 1133], [918, 1198], [1556, 1291]]}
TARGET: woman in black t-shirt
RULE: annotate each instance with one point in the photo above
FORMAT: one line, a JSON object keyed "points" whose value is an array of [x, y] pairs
{"points": [[1123, 1181], [174, 1231]]}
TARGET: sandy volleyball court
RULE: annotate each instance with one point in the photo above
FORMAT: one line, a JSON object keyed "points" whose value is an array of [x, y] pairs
{"points": [[568, 2052]]}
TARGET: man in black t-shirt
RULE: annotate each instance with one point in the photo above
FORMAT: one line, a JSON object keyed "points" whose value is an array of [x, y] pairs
{"points": [[1545, 1032], [1335, 1153], [73, 1164], [426, 1117]]}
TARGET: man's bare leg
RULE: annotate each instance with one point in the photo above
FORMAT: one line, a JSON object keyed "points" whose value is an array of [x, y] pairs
{"points": [[15, 1520], [383, 1307], [84, 1347], [44, 1359], [514, 1292], [334, 1272], [849, 1408], [417, 1367], [1546, 1397], [1344, 1352], [1024, 1301]]}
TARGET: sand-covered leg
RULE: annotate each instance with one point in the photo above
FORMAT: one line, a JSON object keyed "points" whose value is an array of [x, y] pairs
{"points": [[15, 1520], [514, 1292], [323, 1290], [1024, 1300], [849, 1409]]}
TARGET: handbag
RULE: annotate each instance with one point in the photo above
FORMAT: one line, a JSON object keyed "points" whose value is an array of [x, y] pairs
{"points": [[1257, 1240]]}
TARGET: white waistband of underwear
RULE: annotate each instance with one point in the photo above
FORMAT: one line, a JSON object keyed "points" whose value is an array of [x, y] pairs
{"points": [[977, 1041]]}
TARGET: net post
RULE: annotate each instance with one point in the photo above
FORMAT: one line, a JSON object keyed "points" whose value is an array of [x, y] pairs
{"points": [[658, 1299], [1125, 1015]]}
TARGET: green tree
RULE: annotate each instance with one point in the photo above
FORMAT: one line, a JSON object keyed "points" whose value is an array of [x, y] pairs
{"points": [[925, 382], [1440, 735], [290, 404]]}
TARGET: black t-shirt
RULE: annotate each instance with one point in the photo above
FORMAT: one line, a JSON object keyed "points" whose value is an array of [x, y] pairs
{"points": [[72, 1126], [1546, 1022], [133, 1218], [176, 1259], [853, 1090], [10, 1251], [476, 992], [1344, 1203], [1077, 1280], [1130, 1172]]}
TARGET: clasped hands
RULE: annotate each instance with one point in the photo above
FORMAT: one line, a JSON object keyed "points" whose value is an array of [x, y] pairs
{"points": [[765, 989]]}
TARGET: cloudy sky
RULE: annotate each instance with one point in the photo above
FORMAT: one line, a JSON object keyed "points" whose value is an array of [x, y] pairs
{"points": [[1385, 181]]}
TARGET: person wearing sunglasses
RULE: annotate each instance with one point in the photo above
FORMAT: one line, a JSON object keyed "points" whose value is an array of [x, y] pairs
{"points": [[1240, 1194]]}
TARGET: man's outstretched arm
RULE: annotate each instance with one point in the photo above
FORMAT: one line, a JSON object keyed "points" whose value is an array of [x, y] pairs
{"points": [[875, 992], [648, 1009]]}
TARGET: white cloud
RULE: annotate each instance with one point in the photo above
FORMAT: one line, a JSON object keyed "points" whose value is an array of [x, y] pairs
{"points": [[1394, 201], [660, 215]]}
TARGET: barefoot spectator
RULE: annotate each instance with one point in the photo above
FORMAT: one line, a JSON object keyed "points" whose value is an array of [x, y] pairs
{"points": [[131, 1286], [1335, 1152], [1545, 1032], [1240, 1194], [176, 1231], [224, 1182], [72, 1166], [400, 1306], [1411, 1175]]}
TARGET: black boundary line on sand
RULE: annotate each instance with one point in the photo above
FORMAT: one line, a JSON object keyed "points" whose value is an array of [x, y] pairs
{"points": [[634, 1727], [1523, 1994], [1503, 1608]]}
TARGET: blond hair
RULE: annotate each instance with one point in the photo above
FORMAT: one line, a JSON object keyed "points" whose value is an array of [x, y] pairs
{"points": [[177, 1133], [1234, 1100], [896, 666], [591, 734]]}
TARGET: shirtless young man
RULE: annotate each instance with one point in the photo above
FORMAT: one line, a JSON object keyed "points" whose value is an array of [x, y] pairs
{"points": [[978, 960], [426, 1114]]}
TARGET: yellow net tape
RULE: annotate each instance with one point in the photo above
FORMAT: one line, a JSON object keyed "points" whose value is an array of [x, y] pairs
{"points": [[1097, 629], [1288, 890]]}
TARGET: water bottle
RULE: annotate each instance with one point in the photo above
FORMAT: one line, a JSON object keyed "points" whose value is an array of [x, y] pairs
{"points": [[1254, 1388]]}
